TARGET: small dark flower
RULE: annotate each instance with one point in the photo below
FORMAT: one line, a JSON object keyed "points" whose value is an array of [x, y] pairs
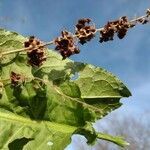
{"points": [[107, 33], [65, 44], [84, 31], [35, 53], [145, 21], [121, 33], [118, 26], [16, 79]]}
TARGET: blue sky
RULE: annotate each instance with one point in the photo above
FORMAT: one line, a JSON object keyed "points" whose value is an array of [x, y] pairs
{"points": [[129, 59]]}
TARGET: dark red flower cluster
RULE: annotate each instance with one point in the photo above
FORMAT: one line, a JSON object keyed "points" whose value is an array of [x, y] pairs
{"points": [[65, 44], [84, 31], [16, 79], [35, 53], [119, 26]]}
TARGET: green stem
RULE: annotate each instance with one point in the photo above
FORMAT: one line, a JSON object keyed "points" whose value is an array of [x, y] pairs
{"points": [[116, 140]]}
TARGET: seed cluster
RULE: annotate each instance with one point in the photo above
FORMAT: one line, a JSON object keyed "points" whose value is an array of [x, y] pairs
{"points": [[84, 31], [119, 27], [35, 53], [16, 79], [65, 44]]}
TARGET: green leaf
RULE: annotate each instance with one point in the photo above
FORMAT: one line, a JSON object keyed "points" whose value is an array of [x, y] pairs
{"points": [[96, 82], [55, 101], [39, 134]]}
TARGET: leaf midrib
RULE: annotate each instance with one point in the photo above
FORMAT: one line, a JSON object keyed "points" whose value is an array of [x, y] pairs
{"points": [[52, 125]]}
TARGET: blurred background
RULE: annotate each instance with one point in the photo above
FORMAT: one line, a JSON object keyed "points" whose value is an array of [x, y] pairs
{"points": [[129, 59]]}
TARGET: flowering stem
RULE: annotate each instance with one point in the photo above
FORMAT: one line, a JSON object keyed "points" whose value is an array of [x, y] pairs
{"points": [[133, 22]]}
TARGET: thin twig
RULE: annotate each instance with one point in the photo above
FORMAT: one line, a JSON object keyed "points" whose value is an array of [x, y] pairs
{"points": [[137, 19], [24, 49]]}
